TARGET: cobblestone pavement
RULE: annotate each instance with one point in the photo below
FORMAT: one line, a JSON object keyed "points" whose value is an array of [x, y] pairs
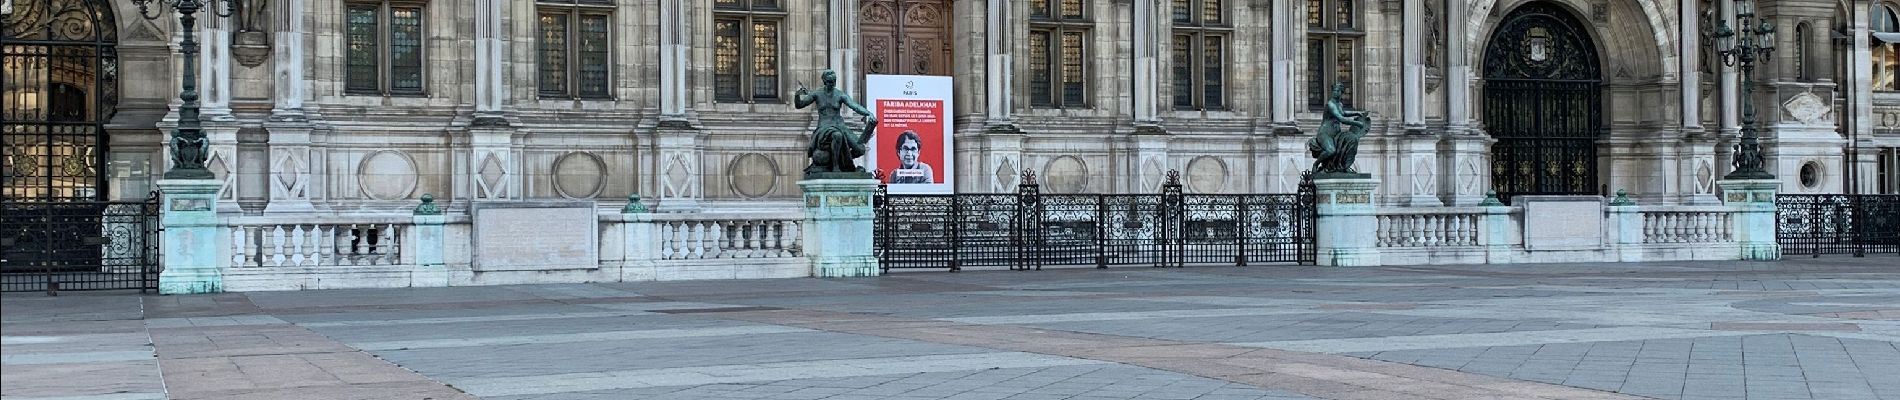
{"points": [[1800, 329]]}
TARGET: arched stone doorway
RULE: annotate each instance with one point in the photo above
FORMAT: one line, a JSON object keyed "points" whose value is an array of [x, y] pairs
{"points": [[1543, 102], [905, 37], [60, 68]]}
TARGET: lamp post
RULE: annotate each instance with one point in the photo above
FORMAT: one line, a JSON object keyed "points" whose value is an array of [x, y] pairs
{"points": [[1755, 41], [188, 144]]}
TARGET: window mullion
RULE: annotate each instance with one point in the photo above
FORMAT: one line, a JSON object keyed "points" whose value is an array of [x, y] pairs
{"points": [[745, 57], [385, 70]]}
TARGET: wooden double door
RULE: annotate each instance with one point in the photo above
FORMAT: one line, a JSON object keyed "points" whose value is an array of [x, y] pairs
{"points": [[905, 37]]}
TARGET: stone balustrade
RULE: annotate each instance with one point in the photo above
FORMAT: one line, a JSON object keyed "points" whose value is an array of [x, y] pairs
{"points": [[1687, 224], [365, 241], [1429, 227], [758, 235]]}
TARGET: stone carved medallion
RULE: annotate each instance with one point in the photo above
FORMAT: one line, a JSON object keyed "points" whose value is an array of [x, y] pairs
{"points": [[752, 175], [579, 175], [1206, 174], [1065, 174], [386, 175], [1809, 109]]}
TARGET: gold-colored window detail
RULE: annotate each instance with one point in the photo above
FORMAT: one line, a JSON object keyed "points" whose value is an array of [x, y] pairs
{"points": [[1886, 19], [383, 48], [573, 48], [746, 50], [1333, 34], [1058, 53], [1199, 54]]}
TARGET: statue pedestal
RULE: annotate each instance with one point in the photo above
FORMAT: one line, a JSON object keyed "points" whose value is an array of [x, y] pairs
{"points": [[188, 213], [1347, 228], [838, 226], [1754, 202]]}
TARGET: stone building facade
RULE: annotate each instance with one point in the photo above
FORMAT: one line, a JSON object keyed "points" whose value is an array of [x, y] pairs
{"points": [[363, 106]]}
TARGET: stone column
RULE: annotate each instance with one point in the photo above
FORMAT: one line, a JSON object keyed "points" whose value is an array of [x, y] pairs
{"points": [[1457, 67], [1145, 92], [1754, 203], [1151, 157], [1860, 84], [838, 227], [214, 66], [679, 171], [491, 59], [192, 246], [1347, 228], [1694, 160], [1281, 91], [253, 173], [427, 244], [290, 182], [1412, 107], [997, 71], [674, 56], [843, 39]]}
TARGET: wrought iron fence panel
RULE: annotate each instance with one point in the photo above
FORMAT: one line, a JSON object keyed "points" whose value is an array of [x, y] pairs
{"points": [[1133, 228], [1210, 229], [988, 230], [916, 231], [1027, 229], [1071, 230], [1277, 228], [1857, 224], [78, 245]]}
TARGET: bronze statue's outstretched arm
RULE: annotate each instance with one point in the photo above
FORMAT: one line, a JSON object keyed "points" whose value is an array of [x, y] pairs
{"points": [[853, 104]]}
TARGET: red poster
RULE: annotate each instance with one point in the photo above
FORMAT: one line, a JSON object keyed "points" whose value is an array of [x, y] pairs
{"points": [[910, 141]]}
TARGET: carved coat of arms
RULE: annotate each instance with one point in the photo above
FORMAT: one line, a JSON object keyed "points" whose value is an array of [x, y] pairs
{"points": [[1538, 40]]}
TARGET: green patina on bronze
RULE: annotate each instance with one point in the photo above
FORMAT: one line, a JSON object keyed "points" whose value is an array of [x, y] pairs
{"points": [[834, 148], [428, 206], [1337, 144]]}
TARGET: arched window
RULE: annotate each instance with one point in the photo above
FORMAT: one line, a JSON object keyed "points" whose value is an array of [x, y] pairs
{"points": [[1886, 26]]}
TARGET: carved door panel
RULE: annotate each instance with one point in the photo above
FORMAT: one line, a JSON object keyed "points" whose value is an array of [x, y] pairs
{"points": [[905, 37]]}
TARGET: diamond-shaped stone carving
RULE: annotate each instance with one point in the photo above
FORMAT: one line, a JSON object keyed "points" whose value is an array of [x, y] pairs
{"points": [[491, 174], [1006, 175], [676, 175]]}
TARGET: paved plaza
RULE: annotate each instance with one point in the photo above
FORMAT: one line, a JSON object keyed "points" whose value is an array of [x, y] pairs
{"points": [[1801, 329]]}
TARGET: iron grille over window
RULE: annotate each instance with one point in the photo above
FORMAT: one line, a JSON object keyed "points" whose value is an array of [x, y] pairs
{"points": [[383, 48], [1201, 30], [59, 67], [574, 40], [1058, 43], [1332, 36], [745, 50]]}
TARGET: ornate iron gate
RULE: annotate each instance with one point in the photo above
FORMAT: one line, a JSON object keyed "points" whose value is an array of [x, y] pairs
{"points": [[79, 245], [1816, 224], [1028, 230], [1542, 102], [61, 72]]}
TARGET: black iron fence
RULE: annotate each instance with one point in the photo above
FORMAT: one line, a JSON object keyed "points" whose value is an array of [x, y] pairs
{"points": [[57, 246], [1857, 224], [1028, 229]]}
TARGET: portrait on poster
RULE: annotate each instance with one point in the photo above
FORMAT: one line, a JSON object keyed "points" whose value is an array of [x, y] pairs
{"points": [[913, 143]]}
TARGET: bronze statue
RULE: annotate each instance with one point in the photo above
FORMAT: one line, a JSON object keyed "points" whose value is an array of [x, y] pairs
{"points": [[833, 147], [1334, 149]]}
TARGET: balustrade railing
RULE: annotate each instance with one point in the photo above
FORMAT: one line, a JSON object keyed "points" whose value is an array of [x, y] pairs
{"points": [[266, 244], [1429, 227], [762, 235], [1688, 224]]}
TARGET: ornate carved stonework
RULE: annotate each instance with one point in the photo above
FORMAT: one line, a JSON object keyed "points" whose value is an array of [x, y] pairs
{"points": [[1809, 109]]}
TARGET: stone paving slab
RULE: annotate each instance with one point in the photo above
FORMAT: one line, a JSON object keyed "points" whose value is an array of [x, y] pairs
{"points": [[1798, 329]]}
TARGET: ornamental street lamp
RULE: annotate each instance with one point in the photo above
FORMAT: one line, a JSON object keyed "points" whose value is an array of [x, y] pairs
{"points": [[188, 144], [1755, 41]]}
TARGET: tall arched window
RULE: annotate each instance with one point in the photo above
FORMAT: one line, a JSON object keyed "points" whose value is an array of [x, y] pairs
{"points": [[1886, 26]]}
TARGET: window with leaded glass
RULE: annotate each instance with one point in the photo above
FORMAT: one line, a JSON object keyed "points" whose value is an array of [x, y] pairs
{"points": [[1199, 54], [1058, 53], [1886, 20], [571, 46], [746, 50], [1332, 36], [383, 45]]}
